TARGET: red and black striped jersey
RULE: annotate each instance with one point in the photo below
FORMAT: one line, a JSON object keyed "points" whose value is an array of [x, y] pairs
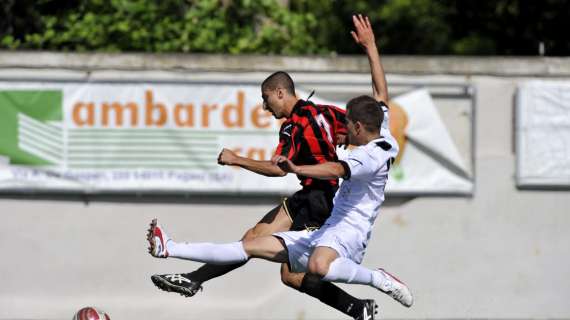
{"points": [[309, 136]]}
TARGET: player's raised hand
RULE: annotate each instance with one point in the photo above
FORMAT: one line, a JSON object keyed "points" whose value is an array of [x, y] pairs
{"points": [[227, 157], [285, 164], [364, 36]]}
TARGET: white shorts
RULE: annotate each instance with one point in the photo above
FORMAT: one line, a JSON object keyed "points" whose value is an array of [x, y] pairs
{"points": [[344, 239]]}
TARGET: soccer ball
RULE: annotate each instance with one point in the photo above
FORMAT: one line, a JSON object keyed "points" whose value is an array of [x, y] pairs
{"points": [[91, 313]]}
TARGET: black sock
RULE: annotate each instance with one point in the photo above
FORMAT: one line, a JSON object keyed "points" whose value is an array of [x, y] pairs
{"points": [[331, 295], [210, 271]]}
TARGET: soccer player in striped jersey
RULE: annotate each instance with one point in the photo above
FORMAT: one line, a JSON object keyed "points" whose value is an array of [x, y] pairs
{"points": [[333, 252], [307, 137]]}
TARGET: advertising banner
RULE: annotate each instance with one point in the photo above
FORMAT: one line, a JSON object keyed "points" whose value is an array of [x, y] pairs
{"points": [[429, 161], [165, 137], [543, 134]]}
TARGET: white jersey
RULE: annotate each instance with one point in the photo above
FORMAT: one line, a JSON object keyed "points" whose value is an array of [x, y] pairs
{"points": [[356, 204], [358, 200]]}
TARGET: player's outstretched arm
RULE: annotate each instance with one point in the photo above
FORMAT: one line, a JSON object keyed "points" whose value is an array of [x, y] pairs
{"points": [[364, 36], [325, 171], [266, 168]]}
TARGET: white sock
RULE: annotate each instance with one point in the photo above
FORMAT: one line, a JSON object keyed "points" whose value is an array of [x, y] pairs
{"points": [[228, 253], [344, 270]]}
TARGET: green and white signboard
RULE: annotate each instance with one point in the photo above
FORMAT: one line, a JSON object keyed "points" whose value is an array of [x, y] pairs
{"points": [[133, 137]]}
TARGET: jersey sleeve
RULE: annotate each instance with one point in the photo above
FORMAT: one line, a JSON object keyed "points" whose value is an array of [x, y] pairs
{"points": [[339, 120], [385, 128], [385, 125], [289, 140], [358, 165]]}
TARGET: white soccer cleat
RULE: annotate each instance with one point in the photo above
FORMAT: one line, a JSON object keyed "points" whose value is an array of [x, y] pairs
{"points": [[157, 240], [396, 289]]}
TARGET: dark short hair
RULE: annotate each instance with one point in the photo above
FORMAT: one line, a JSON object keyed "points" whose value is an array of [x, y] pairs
{"points": [[279, 79], [367, 111]]}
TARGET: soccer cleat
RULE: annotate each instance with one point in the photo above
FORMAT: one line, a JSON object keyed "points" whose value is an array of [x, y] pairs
{"points": [[369, 310], [396, 289], [157, 240], [177, 283]]}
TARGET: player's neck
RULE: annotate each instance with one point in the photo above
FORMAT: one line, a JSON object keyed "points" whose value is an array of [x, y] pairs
{"points": [[366, 137], [290, 103]]}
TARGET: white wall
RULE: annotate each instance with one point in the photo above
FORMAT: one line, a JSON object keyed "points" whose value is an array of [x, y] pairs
{"points": [[503, 253]]}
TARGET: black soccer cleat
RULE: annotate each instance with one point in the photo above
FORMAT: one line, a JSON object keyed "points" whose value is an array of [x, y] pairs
{"points": [[177, 283], [369, 310]]}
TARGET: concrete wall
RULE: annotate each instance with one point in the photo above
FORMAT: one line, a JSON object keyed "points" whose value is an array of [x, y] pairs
{"points": [[502, 253]]}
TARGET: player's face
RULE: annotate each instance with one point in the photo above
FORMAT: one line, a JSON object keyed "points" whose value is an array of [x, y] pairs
{"points": [[273, 102]]}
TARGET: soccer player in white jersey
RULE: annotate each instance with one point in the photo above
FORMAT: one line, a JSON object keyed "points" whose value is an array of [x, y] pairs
{"points": [[335, 251]]}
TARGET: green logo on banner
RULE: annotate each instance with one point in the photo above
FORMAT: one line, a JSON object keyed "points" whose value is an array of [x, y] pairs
{"points": [[30, 126]]}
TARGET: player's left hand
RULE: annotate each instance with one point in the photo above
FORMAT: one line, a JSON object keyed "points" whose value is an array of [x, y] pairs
{"points": [[363, 35], [285, 164], [227, 157]]}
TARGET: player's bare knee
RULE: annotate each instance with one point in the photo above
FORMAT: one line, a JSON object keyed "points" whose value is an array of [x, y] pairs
{"points": [[319, 267]]}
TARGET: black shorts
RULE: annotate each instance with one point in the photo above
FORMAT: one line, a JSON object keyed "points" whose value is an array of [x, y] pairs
{"points": [[309, 208]]}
